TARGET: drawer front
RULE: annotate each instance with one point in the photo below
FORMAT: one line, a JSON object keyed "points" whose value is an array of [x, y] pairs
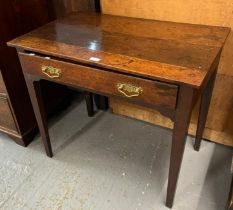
{"points": [[6, 118], [2, 85], [108, 83]]}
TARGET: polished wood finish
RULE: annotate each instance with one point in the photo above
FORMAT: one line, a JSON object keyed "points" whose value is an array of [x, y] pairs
{"points": [[219, 124], [39, 109], [181, 123], [173, 63], [17, 18], [105, 82], [6, 119], [184, 52], [2, 85]]}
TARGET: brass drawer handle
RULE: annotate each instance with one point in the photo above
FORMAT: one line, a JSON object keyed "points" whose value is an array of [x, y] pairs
{"points": [[129, 90], [51, 72]]}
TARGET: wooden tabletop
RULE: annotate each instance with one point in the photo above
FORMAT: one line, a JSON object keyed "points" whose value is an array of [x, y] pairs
{"points": [[167, 51]]}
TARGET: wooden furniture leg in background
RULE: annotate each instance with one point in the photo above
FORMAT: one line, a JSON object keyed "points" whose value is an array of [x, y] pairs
{"points": [[181, 123], [38, 107], [230, 199], [89, 103], [97, 6], [204, 108], [101, 102]]}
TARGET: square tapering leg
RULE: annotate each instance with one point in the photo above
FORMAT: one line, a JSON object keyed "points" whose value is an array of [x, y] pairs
{"points": [[181, 123], [204, 108], [38, 106]]}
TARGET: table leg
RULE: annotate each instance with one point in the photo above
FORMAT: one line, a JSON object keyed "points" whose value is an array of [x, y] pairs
{"points": [[230, 198], [203, 112], [101, 102], [38, 107], [181, 123], [89, 103]]}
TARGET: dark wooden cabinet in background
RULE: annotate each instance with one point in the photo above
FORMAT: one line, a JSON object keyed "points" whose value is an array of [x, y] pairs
{"points": [[16, 114]]}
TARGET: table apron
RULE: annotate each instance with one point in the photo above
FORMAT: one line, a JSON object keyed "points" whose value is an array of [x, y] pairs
{"points": [[135, 89]]}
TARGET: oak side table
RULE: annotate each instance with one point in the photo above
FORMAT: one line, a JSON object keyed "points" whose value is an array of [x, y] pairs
{"points": [[164, 65]]}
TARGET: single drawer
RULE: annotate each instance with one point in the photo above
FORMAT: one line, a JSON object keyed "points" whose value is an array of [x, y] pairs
{"points": [[2, 85], [106, 82], [6, 118]]}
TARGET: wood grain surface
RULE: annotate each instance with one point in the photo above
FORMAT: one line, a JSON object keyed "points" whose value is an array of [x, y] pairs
{"points": [[6, 120], [105, 82], [2, 85], [219, 127], [85, 51], [170, 52]]}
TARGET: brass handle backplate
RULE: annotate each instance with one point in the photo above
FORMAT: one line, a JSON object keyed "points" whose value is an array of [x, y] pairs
{"points": [[51, 72], [129, 90]]}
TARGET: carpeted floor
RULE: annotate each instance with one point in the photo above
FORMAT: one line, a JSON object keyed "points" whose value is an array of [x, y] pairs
{"points": [[109, 162]]}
